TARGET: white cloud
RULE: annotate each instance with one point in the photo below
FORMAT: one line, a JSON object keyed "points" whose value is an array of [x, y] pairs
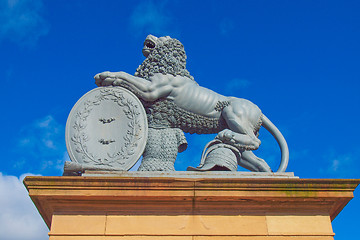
{"points": [[226, 26], [9, 74], [45, 122], [21, 21], [151, 17], [19, 219], [235, 85], [42, 141], [340, 165], [49, 144]]}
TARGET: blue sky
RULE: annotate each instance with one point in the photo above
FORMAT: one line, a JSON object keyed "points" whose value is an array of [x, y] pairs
{"points": [[297, 60]]}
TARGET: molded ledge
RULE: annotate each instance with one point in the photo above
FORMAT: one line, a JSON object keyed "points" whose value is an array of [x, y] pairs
{"points": [[197, 206]]}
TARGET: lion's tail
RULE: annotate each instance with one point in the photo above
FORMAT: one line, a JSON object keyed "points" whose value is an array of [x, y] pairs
{"points": [[280, 140]]}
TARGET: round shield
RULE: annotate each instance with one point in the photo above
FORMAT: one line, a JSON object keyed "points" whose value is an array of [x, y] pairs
{"points": [[106, 130]]}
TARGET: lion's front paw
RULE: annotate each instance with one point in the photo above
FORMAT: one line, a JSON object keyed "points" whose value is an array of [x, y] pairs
{"points": [[100, 77], [107, 78]]}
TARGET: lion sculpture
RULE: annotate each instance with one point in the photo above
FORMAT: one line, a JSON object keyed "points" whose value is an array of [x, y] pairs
{"points": [[173, 99]]}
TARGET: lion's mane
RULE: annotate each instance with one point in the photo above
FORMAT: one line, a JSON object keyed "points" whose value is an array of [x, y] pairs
{"points": [[167, 57]]}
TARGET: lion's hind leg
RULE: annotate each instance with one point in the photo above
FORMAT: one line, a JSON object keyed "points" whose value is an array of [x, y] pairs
{"points": [[239, 116], [251, 162], [241, 141]]}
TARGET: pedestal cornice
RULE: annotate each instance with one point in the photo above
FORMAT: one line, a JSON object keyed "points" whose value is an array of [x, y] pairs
{"points": [[132, 195]]}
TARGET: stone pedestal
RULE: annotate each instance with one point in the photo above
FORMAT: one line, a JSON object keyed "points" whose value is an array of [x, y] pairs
{"points": [[189, 207]]}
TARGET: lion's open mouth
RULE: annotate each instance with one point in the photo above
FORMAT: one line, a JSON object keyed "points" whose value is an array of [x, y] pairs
{"points": [[148, 43]]}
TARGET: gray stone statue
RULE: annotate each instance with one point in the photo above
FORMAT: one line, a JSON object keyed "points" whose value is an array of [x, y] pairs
{"points": [[173, 100]]}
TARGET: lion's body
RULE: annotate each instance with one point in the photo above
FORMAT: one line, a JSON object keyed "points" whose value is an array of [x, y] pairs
{"points": [[196, 109], [192, 97], [173, 99]]}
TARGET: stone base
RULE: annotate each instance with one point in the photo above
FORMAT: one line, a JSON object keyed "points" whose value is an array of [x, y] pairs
{"points": [[188, 208]]}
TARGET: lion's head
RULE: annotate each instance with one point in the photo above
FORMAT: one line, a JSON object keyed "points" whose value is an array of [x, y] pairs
{"points": [[163, 55]]}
